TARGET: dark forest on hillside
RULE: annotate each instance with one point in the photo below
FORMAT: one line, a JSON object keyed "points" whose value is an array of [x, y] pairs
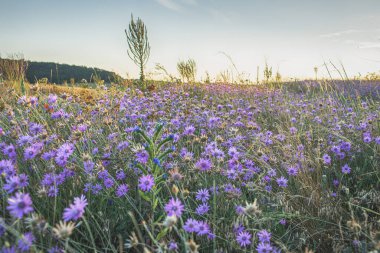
{"points": [[60, 73]]}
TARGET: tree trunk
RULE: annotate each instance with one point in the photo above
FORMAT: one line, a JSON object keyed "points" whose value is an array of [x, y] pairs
{"points": [[142, 73]]}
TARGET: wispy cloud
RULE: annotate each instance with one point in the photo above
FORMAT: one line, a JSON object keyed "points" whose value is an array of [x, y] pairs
{"points": [[364, 44], [223, 16], [368, 45], [170, 4], [189, 2], [176, 5], [339, 34]]}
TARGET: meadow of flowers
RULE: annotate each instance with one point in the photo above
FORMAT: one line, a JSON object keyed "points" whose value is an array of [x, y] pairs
{"points": [[198, 168]]}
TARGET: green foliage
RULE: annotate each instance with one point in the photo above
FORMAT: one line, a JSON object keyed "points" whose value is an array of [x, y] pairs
{"points": [[267, 72], [187, 70], [43, 80], [13, 68], [162, 70], [43, 70], [22, 86], [139, 48], [373, 76]]}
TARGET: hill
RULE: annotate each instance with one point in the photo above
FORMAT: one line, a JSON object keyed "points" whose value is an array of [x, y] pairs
{"points": [[59, 73], [16, 67]]}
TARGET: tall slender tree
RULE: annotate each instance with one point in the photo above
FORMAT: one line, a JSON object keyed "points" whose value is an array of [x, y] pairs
{"points": [[139, 48]]}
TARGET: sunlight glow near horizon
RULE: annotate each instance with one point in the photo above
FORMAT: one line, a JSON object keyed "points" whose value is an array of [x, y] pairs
{"points": [[293, 36]]}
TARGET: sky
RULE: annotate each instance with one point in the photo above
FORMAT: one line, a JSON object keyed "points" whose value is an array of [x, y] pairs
{"points": [[292, 36]]}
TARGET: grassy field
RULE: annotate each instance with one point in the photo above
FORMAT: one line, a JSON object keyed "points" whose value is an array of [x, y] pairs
{"points": [[290, 167]]}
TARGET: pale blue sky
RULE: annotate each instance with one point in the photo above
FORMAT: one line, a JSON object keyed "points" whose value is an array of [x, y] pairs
{"points": [[293, 35]]}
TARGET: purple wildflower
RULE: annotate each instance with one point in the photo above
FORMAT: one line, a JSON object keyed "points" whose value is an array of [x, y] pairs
{"points": [[244, 238], [239, 209], [190, 225], [146, 182], [174, 207], [203, 195], [25, 242], [202, 228], [292, 171], [264, 236], [76, 210], [20, 205], [264, 248], [282, 182], [173, 246], [203, 164], [142, 156], [202, 209], [108, 182], [326, 159], [346, 169], [120, 175], [122, 190]]}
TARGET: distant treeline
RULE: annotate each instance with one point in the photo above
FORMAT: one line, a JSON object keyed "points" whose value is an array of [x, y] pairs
{"points": [[16, 68], [61, 73]]}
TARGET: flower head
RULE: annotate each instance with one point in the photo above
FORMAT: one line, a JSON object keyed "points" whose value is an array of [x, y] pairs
{"points": [[203, 195], [191, 225], [203, 164], [20, 204], [76, 210], [146, 182], [122, 190], [25, 242], [244, 238], [174, 207], [264, 236], [346, 169], [282, 182], [263, 247], [326, 159]]}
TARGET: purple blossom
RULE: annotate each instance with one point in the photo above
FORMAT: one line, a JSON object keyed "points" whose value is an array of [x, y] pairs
{"points": [[15, 182], [203, 195], [202, 209], [88, 166], [264, 236], [108, 182], [172, 246], [122, 190], [346, 169], [326, 159], [203, 164], [25, 242], [146, 182], [30, 153], [282, 182], [244, 239], [120, 175], [202, 228], [189, 130], [174, 207], [292, 170], [142, 156], [239, 209], [20, 205], [264, 248], [190, 225], [76, 210]]}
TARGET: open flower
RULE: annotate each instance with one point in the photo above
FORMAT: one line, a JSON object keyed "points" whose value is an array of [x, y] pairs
{"points": [[244, 238], [76, 210], [174, 207], [146, 182], [20, 205]]}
